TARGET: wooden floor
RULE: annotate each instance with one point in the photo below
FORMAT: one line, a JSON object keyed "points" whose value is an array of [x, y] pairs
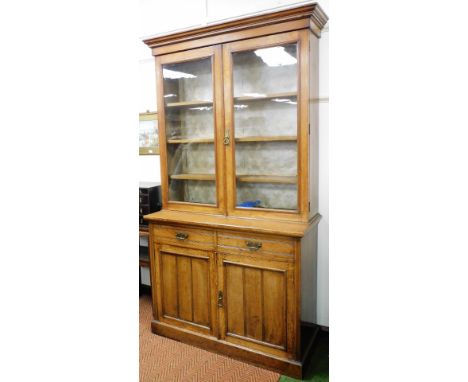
{"points": [[162, 359]]}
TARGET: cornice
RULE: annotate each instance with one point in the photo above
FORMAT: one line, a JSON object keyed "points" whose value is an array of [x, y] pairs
{"points": [[311, 11]]}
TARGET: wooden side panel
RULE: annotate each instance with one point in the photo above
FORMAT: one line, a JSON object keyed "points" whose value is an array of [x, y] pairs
{"points": [[184, 287], [253, 303], [201, 292], [169, 285], [274, 298], [235, 299], [309, 276]]}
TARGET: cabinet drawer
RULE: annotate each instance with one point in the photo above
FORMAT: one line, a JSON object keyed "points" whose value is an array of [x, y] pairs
{"points": [[247, 243], [186, 237]]}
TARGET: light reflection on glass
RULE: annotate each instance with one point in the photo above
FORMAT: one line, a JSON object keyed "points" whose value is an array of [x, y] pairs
{"points": [[174, 75], [275, 56]]}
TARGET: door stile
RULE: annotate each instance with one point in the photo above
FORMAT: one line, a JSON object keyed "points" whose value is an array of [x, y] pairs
{"points": [[218, 106], [229, 129]]}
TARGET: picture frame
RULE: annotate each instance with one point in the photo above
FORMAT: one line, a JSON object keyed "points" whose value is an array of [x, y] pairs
{"points": [[148, 133]]}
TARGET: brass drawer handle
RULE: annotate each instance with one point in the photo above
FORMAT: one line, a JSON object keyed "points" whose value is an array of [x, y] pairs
{"points": [[253, 245], [181, 235]]}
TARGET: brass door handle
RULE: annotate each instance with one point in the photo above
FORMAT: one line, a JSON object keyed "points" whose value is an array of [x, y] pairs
{"points": [[253, 245], [181, 235]]}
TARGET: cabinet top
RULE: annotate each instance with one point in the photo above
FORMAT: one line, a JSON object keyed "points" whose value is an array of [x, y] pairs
{"points": [[144, 184], [312, 13], [285, 228]]}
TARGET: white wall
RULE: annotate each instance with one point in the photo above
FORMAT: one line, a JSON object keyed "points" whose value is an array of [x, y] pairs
{"points": [[179, 14]]}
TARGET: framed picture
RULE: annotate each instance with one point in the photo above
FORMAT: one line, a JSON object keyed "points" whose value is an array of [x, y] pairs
{"points": [[149, 134]]}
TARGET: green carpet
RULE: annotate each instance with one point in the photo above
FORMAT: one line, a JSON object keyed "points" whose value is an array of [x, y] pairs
{"points": [[317, 368]]}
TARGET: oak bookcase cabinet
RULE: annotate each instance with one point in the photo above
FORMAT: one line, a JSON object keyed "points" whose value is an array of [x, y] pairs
{"points": [[233, 251]]}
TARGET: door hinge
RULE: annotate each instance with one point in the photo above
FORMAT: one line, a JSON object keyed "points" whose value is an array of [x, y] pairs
{"points": [[220, 299]]}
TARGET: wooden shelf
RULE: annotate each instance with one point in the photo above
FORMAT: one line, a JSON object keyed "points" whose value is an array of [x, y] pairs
{"points": [[273, 138], [267, 179], [189, 103], [193, 176], [177, 140], [266, 96]]}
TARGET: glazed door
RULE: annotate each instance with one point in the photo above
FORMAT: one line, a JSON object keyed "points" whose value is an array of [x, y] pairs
{"points": [[190, 109], [266, 107], [187, 288], [256, 303]]}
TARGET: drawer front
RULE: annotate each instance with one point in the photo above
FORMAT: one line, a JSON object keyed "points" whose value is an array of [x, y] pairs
{"points": [[185, 237], [254, 244]]}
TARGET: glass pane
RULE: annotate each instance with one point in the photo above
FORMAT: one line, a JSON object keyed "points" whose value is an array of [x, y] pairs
{"points": [[189, 120], [265, 127]]}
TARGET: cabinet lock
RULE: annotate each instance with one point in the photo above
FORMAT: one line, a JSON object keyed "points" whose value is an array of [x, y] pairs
{"points": [[227, 140], [220, 299]]}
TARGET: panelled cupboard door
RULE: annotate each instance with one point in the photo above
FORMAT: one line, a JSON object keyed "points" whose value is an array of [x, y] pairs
{"points": [[257, 304], [186, 282], [266, 120], [190, 116]]}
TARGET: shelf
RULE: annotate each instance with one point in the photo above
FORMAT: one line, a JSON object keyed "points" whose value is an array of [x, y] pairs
{"points": [[193, 176], [177, 140], [189, 103], [267, 179], [273, 138], [266, 96]]}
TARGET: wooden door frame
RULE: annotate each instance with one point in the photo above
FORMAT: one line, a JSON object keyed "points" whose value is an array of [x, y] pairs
{"points": [[215, 53], [301, 37]]}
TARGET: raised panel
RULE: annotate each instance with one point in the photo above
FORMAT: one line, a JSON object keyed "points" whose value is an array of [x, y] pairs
{"points": [[184, 287], [235, 299], [274, 307], [201, 292], [253, 303], [169, 285]]}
